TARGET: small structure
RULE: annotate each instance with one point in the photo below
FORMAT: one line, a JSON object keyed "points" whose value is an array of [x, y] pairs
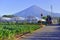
{"points": [[55, 20]]}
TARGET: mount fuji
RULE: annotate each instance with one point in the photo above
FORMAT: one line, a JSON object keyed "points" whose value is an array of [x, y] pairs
{"points": [[35, 11]]}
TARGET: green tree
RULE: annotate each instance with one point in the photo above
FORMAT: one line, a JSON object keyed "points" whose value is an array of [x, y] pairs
{"points": [[10, 16], [44, 17]]}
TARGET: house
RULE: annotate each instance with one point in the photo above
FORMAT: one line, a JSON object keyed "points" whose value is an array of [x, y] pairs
{"points": [[17, 19], [32, 19], [4, 19]]}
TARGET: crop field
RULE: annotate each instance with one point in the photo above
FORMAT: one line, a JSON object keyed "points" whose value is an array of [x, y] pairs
{"points": [[10, 32]]}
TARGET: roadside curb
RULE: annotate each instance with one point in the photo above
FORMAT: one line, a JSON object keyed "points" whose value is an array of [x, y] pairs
{"points": [[33, 31]]}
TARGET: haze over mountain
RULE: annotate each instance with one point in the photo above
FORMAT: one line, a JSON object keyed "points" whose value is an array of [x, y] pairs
{"points": [[35, 11]]}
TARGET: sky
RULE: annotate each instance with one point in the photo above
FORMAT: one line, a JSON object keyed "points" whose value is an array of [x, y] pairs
{"points": [[14, 6]]}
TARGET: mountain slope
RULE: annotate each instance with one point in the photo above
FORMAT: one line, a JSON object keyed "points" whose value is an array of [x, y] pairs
{"points": [[34, 11]]}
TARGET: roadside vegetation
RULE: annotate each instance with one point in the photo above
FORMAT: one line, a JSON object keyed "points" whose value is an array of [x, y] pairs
{"points": [[10, 31]]}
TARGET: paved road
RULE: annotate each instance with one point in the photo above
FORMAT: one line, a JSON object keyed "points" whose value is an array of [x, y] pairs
{"points": [[46, 33]]}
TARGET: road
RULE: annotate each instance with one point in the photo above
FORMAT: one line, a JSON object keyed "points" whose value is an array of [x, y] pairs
{"points": [[46, 33]]}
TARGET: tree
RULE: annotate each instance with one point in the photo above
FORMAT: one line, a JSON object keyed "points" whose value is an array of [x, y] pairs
{"points": [[44, 17], [9, 16]]}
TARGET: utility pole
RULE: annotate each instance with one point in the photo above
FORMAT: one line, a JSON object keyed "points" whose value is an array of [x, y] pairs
{"points": [[52, 16], [51, 10]]}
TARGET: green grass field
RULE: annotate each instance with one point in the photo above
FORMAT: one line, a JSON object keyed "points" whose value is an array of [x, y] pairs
{"points": [[8, 32]]}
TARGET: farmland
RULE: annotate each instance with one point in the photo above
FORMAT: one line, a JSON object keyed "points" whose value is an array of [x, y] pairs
{"points": [[10, 31]]}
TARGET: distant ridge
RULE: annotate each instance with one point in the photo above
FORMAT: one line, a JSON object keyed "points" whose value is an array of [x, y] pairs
{"points": [[34, 11]]}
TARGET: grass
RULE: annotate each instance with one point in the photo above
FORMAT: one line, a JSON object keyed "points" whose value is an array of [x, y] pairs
{"points": [[9, 32]]}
